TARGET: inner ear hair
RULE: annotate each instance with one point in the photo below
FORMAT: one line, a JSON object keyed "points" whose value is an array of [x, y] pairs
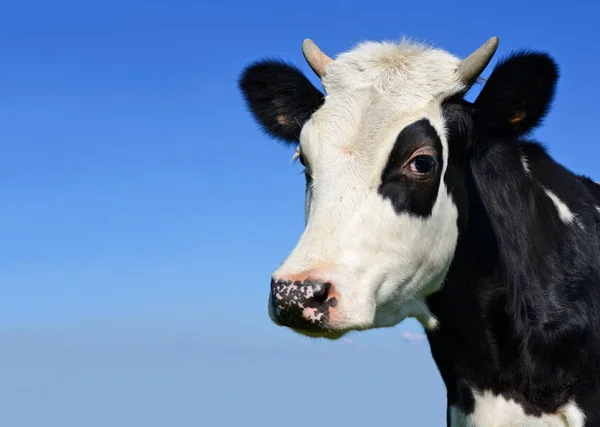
{"points": [[517, 117]]}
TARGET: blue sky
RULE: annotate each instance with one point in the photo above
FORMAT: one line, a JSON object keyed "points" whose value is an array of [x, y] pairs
{"points": [[142, 211]]}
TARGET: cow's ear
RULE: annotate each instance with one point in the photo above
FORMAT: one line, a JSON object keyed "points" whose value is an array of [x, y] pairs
{"points": [[280, 98], [517, 95]]}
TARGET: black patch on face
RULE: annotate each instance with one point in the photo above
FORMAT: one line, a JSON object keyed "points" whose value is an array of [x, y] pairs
{"points": [[407, 193]]}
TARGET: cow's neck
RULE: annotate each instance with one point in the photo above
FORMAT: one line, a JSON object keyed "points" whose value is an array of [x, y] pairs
{"points": [[470, 339], [476, 345]]}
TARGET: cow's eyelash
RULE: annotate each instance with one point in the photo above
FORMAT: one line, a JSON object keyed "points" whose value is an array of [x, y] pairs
{"points": [[296, 156], [296, 159]]}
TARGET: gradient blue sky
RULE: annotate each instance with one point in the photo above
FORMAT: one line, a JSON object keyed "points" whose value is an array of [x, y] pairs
{"points": [[141, 210]]}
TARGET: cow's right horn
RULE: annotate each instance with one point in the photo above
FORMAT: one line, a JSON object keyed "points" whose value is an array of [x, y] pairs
{"points": [[315, 57], [472, 66]]}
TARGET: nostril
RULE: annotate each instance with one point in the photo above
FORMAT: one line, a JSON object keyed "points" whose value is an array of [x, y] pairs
{"points": [[320, 293]]}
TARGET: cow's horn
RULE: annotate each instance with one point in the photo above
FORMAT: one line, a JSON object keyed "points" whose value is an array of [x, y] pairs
{"points": [[315, 57], [472, 66]]}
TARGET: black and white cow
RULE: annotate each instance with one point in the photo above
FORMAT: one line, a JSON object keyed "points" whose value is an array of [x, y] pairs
{"points": [[421, 204]]}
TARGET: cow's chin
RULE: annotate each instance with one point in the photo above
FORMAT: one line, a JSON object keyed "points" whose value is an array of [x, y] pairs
{"points": [[330, 334], [326, 332]]}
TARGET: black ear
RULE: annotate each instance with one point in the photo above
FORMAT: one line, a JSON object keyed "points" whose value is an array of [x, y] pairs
{"points": [[517, 95], [280, 98]]}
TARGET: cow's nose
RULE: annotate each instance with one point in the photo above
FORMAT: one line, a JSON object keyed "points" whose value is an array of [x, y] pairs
{"points": [[302, 305]]}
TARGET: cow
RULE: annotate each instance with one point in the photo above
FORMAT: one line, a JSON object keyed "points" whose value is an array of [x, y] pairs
{"points": [[421, 204]]}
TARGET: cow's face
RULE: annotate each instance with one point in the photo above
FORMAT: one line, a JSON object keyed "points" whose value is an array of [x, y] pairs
{"points": [[381, 223]]}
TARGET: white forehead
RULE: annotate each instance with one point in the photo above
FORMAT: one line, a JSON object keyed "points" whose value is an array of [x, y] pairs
{"points": [[411, 73]]}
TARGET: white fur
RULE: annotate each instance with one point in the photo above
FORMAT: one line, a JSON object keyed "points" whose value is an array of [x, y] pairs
{"points": [[525, 163], [410, 73], [564, 212], [382, 264], [495, 411]]}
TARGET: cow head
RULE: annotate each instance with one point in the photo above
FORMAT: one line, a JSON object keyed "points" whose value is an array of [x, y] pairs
{"points": [[384, 153]]}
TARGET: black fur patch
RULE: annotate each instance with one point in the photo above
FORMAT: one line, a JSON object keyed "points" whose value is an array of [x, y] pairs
{"points": [[280, 98], [408, 194]]}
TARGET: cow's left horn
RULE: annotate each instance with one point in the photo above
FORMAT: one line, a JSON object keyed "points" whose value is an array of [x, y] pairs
{"points": [[315, 57], [472, 66]]}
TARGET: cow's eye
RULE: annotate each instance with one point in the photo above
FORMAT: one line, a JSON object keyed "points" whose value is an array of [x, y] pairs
{"points": [[422, 165]]}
